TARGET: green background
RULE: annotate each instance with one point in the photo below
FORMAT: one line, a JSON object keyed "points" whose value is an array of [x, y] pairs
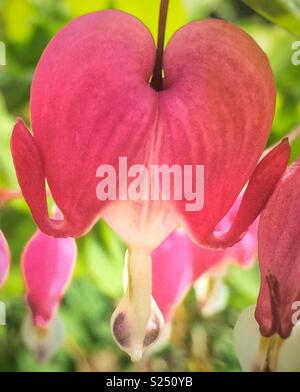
{"points": [[196, 343]]}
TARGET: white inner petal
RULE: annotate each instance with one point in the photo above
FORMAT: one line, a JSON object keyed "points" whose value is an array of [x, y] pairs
{"points": [[141, 223]]}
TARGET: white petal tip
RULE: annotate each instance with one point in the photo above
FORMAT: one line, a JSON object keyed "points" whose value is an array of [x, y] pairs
{"points": [[136, 354]]}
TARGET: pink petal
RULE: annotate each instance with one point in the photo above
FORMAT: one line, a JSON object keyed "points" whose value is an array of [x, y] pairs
{"points": [[4, 259], [172, 271], [279, 256], [47, 264], [220, 119], [89, 97], [260, 188]]}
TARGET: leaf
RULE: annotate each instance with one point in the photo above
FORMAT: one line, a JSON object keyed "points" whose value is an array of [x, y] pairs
{"points": [[285, 13], [148, 12]]}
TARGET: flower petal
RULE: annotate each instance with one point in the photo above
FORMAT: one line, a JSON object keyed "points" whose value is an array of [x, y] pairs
{"points": [[172, 271], [217, 119], [279, 256], [249, 346], [260, 188], [89, 97], [47, 265]]}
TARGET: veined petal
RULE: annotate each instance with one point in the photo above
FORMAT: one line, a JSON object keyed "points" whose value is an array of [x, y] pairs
{"points": [[279, 256], [87, 103], [4, 259], [103, 109], [47, 265], [218, 119]]}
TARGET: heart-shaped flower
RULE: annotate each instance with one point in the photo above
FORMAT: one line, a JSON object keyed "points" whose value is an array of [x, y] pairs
{"points": [[99, 98]]}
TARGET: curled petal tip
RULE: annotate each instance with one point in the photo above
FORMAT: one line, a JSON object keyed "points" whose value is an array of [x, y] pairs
{"points": [[261, 186], [27, 159]]}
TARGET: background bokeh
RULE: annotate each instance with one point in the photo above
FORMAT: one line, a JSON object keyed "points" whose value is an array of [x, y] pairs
{"points": [[196, 343]]}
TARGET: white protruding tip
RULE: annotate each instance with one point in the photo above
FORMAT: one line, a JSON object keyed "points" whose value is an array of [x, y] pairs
{"points": [[136, 354]]}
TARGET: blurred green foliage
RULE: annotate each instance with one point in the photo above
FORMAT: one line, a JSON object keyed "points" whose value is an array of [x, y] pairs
{"points": [[285, 13], [196, 343]]}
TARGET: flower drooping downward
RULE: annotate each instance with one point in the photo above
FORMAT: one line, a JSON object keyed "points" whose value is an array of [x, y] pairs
{"points": [[47, 265], [273, 335], [98, 94]]}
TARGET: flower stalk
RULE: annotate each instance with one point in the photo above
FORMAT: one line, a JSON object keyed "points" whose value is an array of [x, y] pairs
{"points": [[157, 77]]}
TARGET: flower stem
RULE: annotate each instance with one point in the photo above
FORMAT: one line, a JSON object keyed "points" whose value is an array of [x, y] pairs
{"points": [[157, 77]]}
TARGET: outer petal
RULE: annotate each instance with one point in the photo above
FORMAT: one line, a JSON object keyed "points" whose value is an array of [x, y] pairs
{"points": [[279, 256], [220, 119], [47, 264], [89, 96], [4, 259]]}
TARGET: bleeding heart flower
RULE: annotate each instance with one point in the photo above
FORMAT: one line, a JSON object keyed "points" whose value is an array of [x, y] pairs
{"points": [[178, 262], [47, 265], [279, 257], [4, 259], [98, 94], [268, 342]]}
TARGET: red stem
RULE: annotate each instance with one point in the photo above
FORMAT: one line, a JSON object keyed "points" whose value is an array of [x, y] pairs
{"points": [[157, 78]]}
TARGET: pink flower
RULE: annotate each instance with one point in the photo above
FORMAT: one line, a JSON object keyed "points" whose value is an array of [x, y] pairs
{"points": [[4, 259], [279, 257], [98, 95], [178, 263], [266, 336], [47, 265], [91, 103]]}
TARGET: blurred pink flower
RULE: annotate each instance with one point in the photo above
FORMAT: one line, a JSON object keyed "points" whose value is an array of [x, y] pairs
{"points": [[178, 262], [47, 265], [4, 259]]}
